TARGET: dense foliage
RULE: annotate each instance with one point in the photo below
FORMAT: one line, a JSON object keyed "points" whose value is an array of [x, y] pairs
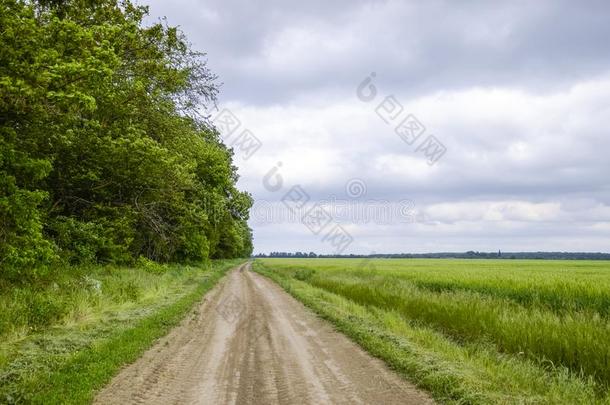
{"points": [[103, 156]]}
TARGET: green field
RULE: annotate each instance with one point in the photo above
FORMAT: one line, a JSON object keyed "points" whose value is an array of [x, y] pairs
{"points": [[473, 331]]}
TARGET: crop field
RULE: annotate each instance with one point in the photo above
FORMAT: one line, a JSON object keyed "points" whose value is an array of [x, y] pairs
{"points": [[475, 331]]}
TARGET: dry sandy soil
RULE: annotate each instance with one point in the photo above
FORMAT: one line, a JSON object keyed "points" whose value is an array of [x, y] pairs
{"points": [[249, 342]]}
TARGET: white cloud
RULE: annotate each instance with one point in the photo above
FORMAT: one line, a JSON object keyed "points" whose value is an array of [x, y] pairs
{"points": [[519, 93]]}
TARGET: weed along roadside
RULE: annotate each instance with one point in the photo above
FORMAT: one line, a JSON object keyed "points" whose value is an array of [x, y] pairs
{"points": [[66, 360]]}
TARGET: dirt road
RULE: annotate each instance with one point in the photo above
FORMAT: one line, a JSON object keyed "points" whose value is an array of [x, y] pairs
{"points": [[249, 342]]}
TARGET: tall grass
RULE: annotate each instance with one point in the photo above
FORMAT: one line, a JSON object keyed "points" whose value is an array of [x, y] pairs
{"points": [[554, 313], [560, 286], [576, 341], [84, 324], [453, 372], [74, 294]]}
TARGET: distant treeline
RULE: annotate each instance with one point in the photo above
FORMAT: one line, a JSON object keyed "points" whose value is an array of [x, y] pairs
{"points": [[104, 156], [449, 255]]}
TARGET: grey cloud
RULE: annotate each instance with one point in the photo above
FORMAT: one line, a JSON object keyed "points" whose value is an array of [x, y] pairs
{"points": [[517, 91], [415, 47]]}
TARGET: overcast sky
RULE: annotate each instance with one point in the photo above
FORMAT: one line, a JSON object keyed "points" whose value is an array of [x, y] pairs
{"points": [[516, 94]]}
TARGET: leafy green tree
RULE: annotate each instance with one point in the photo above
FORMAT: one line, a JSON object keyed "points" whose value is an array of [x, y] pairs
{"points": [[103, 155]]}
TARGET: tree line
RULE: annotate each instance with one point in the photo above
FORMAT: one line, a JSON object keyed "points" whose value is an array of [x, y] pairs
{"points": [[104, 154], [455, 255]]}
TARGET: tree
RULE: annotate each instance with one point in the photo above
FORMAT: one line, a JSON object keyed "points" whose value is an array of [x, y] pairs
{"points": [[103, 155]]}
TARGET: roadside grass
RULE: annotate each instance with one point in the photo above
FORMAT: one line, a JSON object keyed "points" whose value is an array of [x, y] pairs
{"points": [[576, 341], [369, 306], [98, 321]]}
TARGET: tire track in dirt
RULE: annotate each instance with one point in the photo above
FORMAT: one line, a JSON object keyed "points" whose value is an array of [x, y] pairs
{"points": [[249, 342]]}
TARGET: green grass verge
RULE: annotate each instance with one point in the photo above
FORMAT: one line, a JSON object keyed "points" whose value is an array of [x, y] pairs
{"points": [[452, 371], [69, 362]]}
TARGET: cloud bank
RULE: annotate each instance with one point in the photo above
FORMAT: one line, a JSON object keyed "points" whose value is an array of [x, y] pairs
{"points": [[518, 94]]}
